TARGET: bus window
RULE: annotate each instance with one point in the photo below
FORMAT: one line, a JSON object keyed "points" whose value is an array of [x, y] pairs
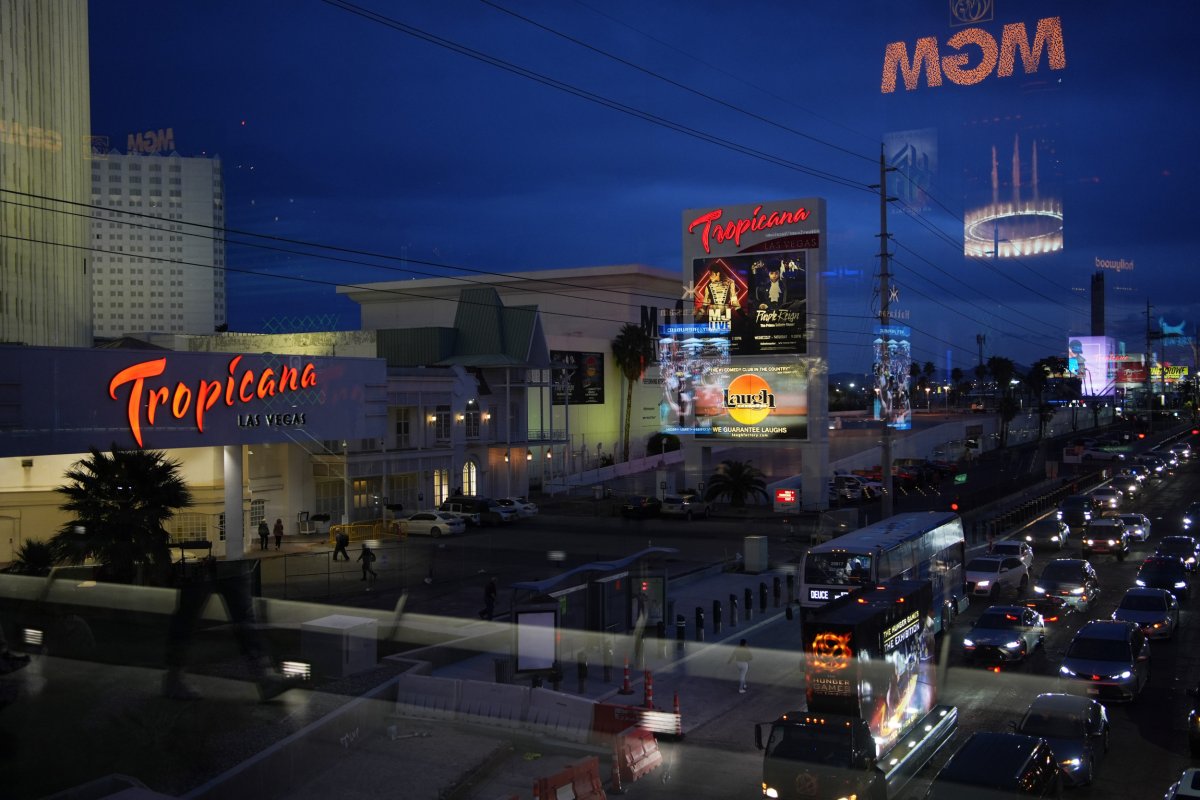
{"points": [[837, 569]]}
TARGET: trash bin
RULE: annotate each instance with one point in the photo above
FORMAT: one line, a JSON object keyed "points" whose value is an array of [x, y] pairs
{"points": [[756, 554], [504, 670]]}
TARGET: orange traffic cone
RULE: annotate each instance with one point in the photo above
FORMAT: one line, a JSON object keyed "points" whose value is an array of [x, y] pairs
{"points": [[626, 686]]}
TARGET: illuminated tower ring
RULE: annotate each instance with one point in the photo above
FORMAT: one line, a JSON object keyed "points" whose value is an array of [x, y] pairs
{"points": [[1029, 227]]}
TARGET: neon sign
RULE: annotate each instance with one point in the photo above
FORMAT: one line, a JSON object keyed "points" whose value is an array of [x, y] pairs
{"points": [[734, 228], [243, 386], [1014, 41]]}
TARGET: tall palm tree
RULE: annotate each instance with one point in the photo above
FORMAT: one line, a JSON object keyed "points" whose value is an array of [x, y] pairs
{"points": [[1002, 370], [633, 350], [956, 380], [119, 503], [738, 481]]}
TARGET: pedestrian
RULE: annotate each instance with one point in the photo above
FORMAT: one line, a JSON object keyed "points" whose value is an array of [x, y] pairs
{"points": [[489, 600], [278, 533], [742, 657], [367, 557], [339, 545], [264, 535], [991, 536]]}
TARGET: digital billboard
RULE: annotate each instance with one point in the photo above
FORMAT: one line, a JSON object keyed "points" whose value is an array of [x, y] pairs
{"points": [[579, 380], [892, 401], [1092, 359], [687, 355], [750, 402]]}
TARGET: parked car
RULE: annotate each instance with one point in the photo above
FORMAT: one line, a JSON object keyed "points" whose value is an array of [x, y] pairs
{"points": [[1076, 728], [1068, 582], [433, 523], [989, 575], [686, 506], [1106, 535], [524, 508], [1108, 659], [1155, 611], [488, 510], [1184, 547], [993, 765], [641, 506], [1138, 525], [1165, 572], [1107, 497], [1048, 533], [1016, 549], [1188, 785], [1076, 510], [1005, 633]]}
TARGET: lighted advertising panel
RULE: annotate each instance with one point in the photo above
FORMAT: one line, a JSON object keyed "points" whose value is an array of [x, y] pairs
{"points": [[67, 400], [892, 401], [686, 362], [1093, 359], [535, 639], [580, 379], [748, 267], [748, 402]]}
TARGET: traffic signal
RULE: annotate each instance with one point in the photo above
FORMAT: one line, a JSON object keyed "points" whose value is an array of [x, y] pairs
{"points": [[1195, 431], [954, 504]]}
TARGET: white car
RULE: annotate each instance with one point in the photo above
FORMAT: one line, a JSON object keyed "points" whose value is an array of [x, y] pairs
{"points": [[1016, 549], [987, 576], [434, 523], [685, 505], [1136, 525], [524, 508], [1188, 785]]}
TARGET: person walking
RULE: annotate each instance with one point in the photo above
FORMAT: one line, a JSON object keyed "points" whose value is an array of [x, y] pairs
{"points": [[339, 545], [741, 656], [489, 600], [367, 557], [264, 535], [278, 533]]}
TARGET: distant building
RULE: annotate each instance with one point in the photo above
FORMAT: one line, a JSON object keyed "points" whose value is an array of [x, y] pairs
{"points": [[159, 258], [45, 119]]}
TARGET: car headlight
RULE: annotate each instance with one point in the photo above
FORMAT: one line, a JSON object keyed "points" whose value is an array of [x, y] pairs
{"points": [[770, 791], [1140, 582], [1111, 542], [1071, 763], [1029, 538], [968, 643], [1012, 645], [1078, 590], [1180, 584], [1039, 589], [982, 584], [1089, 542], [1065, 670], [1126, 675], [1058, 514], [1191, 560], [1054, 538]]}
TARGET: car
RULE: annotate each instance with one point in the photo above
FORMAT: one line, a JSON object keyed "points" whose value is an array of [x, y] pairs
{"points": [[1139, 471], [1070, 582], [433, 523], [1014, 548], [1128, 485], [1076, 728], [1188, 785], [467, 513], [1156, 465], [1048, 533], [1191, 515], [1182, 450], [1005, 633], [1165, 572], [1076, 510], [1098, 453], [641, 506], [1107, 497], [1171, 459], [686, 506], [524, 508], [1155, 611], [1184, 547], [989, 575], [1106, 535], [487, 510], [1108, 659], [1137, 525], [993, 765]]}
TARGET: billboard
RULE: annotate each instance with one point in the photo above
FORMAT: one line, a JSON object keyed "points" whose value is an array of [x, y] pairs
{"points": [[1093, 360], [687, 355], [748, 402], [747, 269], [580, 379], [892, 401]]}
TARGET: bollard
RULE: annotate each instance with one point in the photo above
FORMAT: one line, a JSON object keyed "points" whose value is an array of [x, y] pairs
{"points": [[762, 597], [716, 617], [791, 587], [777, 587], [749, 607], [608, 657], [581, 671], [788, 611], [680, 628], [648, 694], [733, 610], [699, 624], [626, 686]]}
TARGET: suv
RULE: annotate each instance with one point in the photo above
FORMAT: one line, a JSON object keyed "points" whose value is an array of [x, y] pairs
{"points": [[478, 510], [1106, 535], [1067, 582], [686, 506], [990, 765], [988, 575], [1165, 572], [1077, 510], [1111, 659]]}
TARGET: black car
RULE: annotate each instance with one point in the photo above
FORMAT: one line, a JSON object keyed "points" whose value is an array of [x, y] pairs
{"points": [[1191, 517], [1165, 572], [1065, 583], [994, 765], [1077, 510], [1048, 534], [641, 506], [1186, 548]]}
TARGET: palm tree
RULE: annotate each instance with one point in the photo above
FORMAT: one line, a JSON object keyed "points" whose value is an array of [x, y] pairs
{"points": [[33, 558], [738, 481], [956, 380], [633, 350], [119, 503], [1002, 370]]}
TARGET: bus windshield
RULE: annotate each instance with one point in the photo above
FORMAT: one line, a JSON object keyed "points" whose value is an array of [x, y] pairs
{"points": [[837, 569]]}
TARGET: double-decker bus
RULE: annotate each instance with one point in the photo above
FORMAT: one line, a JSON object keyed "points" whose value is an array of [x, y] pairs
{"points": [[925, 545]]}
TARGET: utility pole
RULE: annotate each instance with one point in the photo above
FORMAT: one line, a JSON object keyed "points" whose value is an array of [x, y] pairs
{"points": [[885, 466], [1150, 337]]}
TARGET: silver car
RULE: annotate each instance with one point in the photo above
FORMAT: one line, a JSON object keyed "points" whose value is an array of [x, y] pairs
{"points": [[1136, 525], [1076, 728], [1005, 633], [1155, 611], [1109, 660]]}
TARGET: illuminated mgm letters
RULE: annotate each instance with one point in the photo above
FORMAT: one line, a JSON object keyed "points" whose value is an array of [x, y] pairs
{"points": [[1001, 58]]}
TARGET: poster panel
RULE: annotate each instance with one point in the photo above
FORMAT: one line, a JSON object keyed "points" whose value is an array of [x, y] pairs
{"points": [[536, 639], [892, 401], [580, 379], [1092, 359], [759, 300], [747, 401]]}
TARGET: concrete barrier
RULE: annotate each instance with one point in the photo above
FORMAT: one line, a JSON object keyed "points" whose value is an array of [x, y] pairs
{"points": [[500, 704], [565, 716], [427, 697]]}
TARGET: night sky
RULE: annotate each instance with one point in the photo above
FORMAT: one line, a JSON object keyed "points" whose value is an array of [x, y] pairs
{"points": [[451, 139]]}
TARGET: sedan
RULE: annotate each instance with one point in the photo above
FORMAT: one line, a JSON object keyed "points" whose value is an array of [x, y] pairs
{"points": [[433, 523], [1165, 572], [1155, 611], [1005, 633], [1188, 785], [524, 508], [1128, 485], [1136, 525], [1015, 549], [1184, 547], [1076, 728], [1048, 534], [1107, 497], [641, 506], [1067, 582], [988, 575]]}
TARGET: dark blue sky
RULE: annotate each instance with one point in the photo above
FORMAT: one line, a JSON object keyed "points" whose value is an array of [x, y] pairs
{"points": [[338, 130]]}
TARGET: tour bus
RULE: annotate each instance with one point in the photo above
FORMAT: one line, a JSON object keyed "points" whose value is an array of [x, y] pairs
{"points": [[923, 545]]}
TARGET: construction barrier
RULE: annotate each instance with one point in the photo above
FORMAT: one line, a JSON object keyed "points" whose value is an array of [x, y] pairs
{"points": [[609, 719], [373, 529], [579, 781], [562, 715], [637, 754]]}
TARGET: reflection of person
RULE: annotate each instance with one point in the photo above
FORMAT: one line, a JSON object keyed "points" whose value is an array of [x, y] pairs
{"points": [[742, 657], [719, 299], [1081, 368], [489, 600], [278, 533], [773, 293], [339, 545], [367, 557]]}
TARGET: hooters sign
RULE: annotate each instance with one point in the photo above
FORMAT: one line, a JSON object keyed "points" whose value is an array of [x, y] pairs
{"points": [[66, 400]]}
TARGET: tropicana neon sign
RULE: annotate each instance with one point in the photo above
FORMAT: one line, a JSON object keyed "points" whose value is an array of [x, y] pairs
{"points": [[734, 228], [243, 387]]}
